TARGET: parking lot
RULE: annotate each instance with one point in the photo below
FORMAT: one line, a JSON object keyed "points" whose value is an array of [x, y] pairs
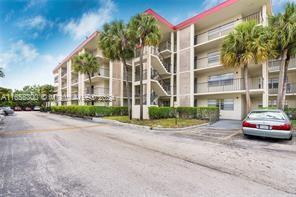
{"points": [[52, 155]]}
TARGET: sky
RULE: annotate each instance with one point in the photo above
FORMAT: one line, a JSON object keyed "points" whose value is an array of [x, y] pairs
{"points": [[35, 35]]}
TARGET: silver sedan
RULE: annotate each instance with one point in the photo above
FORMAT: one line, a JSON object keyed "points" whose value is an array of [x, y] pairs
{"points": [[268, 123]]}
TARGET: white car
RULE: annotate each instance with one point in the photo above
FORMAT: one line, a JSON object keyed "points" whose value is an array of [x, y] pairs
{"points": [[2, 116]]}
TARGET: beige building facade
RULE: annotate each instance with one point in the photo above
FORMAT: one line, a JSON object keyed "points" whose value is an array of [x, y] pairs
{"points": [[185, 69]]}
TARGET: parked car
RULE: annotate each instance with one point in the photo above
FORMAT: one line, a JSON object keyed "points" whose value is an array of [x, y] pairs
{"points": [[17, 108], [268, 123], [28, 109], [2, 114], [7, 110], [36, 108]]}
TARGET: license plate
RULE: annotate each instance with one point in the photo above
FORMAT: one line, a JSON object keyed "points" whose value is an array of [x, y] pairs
{"points": [[266, 127]]}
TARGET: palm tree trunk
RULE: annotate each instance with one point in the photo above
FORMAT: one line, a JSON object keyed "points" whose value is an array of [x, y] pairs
{"points": [[281, 88], [128, 90], [246, 79], [287, 61], [141, 83], [90, 87]]}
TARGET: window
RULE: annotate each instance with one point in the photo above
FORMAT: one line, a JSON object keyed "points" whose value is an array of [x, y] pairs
{"points": [[222, 104], [214, 57], [221, 80]]}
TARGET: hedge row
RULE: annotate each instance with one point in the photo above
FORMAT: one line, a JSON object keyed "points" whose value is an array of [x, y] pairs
{"points": [[93, 111], [207, 113], [291, 112]]}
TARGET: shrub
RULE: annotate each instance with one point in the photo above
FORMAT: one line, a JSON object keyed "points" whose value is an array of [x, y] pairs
{"points": [[81, 111], [291, 112], [161, 112], [204, 113]]}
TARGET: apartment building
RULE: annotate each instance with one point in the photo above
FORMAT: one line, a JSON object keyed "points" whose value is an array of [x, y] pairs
{"points": [[185, 69]]}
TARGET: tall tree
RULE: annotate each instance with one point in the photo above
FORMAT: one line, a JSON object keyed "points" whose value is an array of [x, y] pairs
{"points": [[283, 27], [117, 46], [248, 43], [1, 73], [144, 31], [86, 64]]}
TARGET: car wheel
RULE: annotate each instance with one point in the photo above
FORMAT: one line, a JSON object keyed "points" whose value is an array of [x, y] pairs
{"points": [[291, 137]]}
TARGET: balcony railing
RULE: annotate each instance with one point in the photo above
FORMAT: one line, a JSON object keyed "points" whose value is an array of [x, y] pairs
{"points": [[74, 81], [274, 65], [257, 17], [228, 85], [74, 96], [205, 62], [225, 29], [290, 89], [99, 91], [137, 77], [166, 45], [64, 73]]}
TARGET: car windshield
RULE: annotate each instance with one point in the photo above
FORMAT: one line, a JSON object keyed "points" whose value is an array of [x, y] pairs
{"points": [[269, 115]]}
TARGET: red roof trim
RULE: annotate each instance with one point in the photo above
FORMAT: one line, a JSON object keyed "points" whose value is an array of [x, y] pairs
{"points": [[77, 49], [160, 18], [192, 19]]}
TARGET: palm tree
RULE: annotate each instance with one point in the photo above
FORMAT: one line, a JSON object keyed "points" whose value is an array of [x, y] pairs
{"points": [[248, 43], [86, 64], [143, 29], [48, 91], [283, 27], [117, 46], [1, 73]]}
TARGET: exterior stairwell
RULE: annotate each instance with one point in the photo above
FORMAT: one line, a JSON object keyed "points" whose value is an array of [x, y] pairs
{"points": [[158, 84], [154, 98], [158, 62]]}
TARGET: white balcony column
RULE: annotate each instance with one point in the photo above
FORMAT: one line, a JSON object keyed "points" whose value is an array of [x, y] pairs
{"points": [[110, 81], [122, 84], [148, 81], [69, 81], [81, 92], [265, 84], [59, 93], [172, 69], [178, 69], [264, 15], [192, 65]]}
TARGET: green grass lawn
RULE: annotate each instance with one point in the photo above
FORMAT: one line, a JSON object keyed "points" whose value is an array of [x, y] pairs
{"points": [[163, 123]]}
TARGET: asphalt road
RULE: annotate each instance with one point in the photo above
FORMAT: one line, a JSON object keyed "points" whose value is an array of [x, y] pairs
{"points": [[51, 155]]}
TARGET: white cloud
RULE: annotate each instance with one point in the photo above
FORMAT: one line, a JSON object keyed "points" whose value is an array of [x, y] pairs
{"points": [[37, 22], [18, 52], [23, 65], [211, 3], [90, 21]]}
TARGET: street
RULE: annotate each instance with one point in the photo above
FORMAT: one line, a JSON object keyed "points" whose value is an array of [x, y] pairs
{"points": [[52, 155]]}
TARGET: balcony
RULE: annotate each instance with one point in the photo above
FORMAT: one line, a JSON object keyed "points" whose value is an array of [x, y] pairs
{"points": [[56, 79], [98, 91], [225, 29], [207, 62], [74, 81], [64, 86], [291, 89], [215, 33], [274, 65], [74, 96], [64, 73], [228, 85], [137, 75], [257, 17]]}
